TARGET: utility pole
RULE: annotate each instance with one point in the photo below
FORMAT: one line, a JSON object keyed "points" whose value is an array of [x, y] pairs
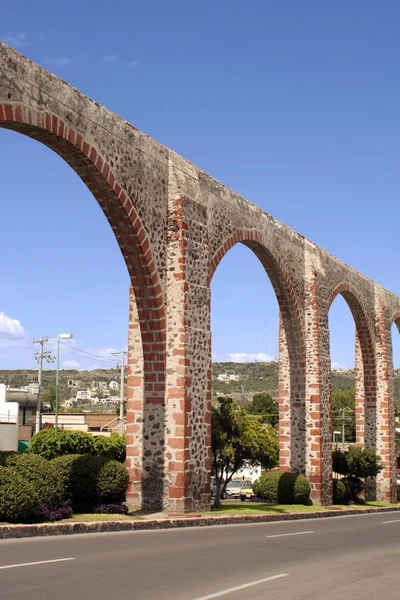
{"points": [[40, 356], [123, 354], [343, 411]]}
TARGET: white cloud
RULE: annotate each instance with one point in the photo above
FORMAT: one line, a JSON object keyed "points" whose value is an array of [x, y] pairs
{"points": [[241, 357], [11, 327], [109, 58], [70, 364], [16, 40], [133, 64], [336, 366], [59, 61]]}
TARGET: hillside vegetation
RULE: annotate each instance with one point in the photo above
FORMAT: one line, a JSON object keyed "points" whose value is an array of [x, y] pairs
{"points": [[252, 378], [263, 377], [22, 377]]}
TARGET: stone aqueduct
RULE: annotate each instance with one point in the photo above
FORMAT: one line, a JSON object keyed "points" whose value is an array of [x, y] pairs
{"points": [[174, 223]]}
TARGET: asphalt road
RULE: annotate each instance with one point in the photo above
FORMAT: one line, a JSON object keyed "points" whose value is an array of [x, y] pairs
{"points": [[353, 558]]}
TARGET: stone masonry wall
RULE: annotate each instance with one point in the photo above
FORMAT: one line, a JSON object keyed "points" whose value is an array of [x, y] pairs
{"points": [[174, 224]]}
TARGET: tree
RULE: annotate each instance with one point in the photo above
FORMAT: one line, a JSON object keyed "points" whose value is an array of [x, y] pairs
{"points": [[356, 464], [238, 438], [49, 397], [344, 406], [264, 405]]}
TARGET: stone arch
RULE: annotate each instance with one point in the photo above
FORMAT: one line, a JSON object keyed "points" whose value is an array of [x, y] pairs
{"points": [[365, 366], [292, 424], [396, 319], [97, 174]]}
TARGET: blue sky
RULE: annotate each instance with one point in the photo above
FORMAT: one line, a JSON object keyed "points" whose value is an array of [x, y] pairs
{"points": [[294, 105]]}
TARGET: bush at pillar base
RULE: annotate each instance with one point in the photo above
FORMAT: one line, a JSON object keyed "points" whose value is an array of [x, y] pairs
{"points": [[359, 466], [278, 487]]}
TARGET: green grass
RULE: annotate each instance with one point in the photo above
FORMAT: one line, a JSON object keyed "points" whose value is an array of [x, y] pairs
{"points": [[89, 518], [260, 508]]}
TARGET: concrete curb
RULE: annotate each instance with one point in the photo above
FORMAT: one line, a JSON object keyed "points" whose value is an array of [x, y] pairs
{"points": [[51, 529]]}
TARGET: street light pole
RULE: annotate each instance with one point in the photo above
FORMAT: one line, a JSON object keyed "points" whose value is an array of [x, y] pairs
{"points": [[62, 336]]}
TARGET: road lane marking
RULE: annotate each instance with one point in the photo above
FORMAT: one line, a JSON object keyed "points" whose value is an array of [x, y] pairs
{"points": [[393, 521], [39, 562], [238, 588], [286, 534]]}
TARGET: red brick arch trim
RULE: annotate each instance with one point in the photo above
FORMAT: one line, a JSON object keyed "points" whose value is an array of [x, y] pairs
{"points": [[396, 319], [354, 302], [118, 208], [279, 277]]}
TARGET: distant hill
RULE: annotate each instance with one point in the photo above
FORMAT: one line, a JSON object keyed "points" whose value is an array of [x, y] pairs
{"points": [[263, 377], [252, 378], [21, 377]]}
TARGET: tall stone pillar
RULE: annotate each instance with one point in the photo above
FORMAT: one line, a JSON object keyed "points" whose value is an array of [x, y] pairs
{"points": [[145, 418], [359, 393], [284, 396], [134, 407], [188, 363], [292, 420], [386, 432], [318, 442]]}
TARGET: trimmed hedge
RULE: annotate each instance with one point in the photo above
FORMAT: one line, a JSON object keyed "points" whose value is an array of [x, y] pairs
{"points": [[266, 487], [113, 446], [277, 487], [91, 480], [4, 455], [41, 474], [19, 502], [341, 491], [48, 444]]}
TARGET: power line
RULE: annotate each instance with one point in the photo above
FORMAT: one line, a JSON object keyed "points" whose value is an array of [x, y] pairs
{"points": [[91, 354], [83, 354]]}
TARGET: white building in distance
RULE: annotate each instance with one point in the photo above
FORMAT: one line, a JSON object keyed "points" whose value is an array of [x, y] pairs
{"points": [[226, 377]]}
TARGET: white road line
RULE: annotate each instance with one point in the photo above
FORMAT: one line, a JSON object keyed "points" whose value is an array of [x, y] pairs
{"points": [[242, 587], [393, 521], [286, 534], [39, 562]]}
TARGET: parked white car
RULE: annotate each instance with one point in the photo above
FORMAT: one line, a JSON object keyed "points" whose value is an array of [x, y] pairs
{"points": [[234, 488]]}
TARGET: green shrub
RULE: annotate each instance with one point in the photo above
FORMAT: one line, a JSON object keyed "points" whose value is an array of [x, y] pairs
{"points": [[111, 447], [78, 478], [340, 491], [4, 454], [41, 474], [302, 490], [283, 488], [49, 444], [266, 487], [356, 464], [91, 480], [112, 482], [19, 502], [339, 462]]}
